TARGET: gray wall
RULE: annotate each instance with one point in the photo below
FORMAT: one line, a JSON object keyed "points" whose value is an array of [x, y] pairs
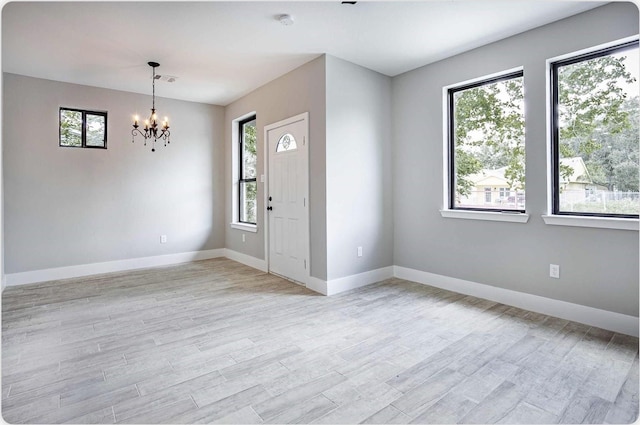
{"points": [[359, 199], [70, 206], [301, 90], [599, 268]]}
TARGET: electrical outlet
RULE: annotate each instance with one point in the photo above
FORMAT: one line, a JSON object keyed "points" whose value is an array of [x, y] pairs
{"points": [[359, 251], [244, 239], [554, 271], [163, 238]]}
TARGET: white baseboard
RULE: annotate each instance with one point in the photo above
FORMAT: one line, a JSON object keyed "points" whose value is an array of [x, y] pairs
{"points": [[616, 322], [583, 314], [317, 285], [23, 278], [335, 286], [43, 275], [245, 259]]}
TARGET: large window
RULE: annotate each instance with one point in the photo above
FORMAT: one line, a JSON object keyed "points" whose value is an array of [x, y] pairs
{"points": [[247, 185], [595, 114], [83, 129], [487, 145]]}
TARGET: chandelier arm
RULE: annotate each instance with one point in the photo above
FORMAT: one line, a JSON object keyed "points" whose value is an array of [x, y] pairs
{"points": [[136, 132]]}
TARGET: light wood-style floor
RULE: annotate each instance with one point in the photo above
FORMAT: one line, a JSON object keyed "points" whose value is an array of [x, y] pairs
{"points": [[215, 341]]}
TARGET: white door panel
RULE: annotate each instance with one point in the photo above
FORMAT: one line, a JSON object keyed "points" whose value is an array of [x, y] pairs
{"points": [[288, 181]]}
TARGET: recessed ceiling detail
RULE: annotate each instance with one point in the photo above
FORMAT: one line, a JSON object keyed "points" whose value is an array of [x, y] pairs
{"points": [[285, 20]]}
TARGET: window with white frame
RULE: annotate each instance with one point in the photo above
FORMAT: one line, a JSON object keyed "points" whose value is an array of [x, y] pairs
{"points": [[486, 143], [595, 118]]}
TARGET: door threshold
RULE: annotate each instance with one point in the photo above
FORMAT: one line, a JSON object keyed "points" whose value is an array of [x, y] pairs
{"points": [[287, 278]]}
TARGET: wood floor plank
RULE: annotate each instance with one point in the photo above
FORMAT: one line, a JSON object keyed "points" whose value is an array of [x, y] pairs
{"points": [[495, 406], [211, 394], [387, 415], [275, 406], [306, 412], [449, 409], [246, 415], [221, 408], [159, 415], [208, 374], [525, 413], [72, 411], [215, 341], [101, 416], [585, 408], [428, 392], [625, 407], [38, 406], [353, 412], [139, 406]]}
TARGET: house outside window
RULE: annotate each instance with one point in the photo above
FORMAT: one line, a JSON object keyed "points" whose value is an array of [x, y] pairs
{"points": [[595, 125], [486, 144]]}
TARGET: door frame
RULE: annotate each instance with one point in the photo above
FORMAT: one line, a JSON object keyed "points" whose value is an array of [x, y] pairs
{"points": [[307, 254]]}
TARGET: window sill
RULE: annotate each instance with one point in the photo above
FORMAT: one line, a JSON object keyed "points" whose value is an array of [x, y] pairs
{"points": [[597, 222], [246, 227], [486, 215]]}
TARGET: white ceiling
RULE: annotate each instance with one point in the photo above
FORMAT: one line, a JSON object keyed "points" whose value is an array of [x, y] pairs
{"points": [[221, 51]]}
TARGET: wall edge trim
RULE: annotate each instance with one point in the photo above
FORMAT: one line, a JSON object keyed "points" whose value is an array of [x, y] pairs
{"points": [[317, 285], [245, 259], [67, 272], [604, 319], [346, 283]]}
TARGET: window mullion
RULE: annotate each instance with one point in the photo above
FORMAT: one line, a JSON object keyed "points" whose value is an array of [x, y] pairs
{"points": [[84, 129], [240, 169]]}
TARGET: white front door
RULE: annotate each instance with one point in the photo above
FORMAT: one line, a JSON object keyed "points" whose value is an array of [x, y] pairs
{"points": [[288, 197]]}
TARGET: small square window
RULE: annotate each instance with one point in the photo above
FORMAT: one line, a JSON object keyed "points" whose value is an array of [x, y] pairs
{"points": [[83, 129]]}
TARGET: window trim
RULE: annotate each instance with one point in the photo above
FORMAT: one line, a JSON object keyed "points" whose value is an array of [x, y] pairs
{"points": [[449, 150], [83, 136], [593, 222], [509, 217], [573, 218]]}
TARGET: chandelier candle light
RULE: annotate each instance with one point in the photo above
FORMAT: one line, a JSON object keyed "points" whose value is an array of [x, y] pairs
{"points": [[151, 130]]}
